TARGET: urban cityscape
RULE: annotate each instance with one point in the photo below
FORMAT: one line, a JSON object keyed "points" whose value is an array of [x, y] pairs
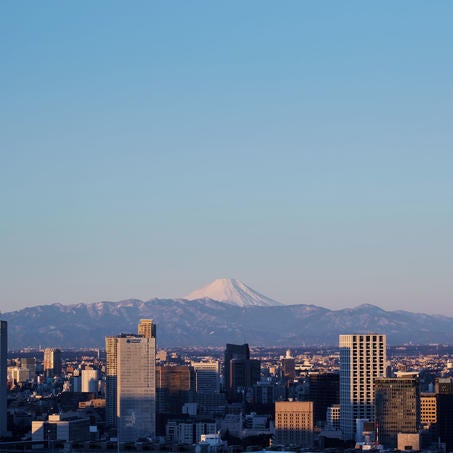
{"points": [[154, 153], [362, 395]]}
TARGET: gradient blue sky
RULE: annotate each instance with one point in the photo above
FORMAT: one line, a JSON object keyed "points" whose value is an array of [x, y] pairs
{"points": [[149, 147]]}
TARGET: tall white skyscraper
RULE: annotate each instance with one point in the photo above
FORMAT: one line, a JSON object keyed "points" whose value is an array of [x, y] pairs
{"points": [[362, 359], [3, 376], [131, 385]]}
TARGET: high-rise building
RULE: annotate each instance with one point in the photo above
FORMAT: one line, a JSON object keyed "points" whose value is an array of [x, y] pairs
{"points": [[207, 376], [240, 372], [288, 367], [147, 328], [52, 362], [428, 411], [362, 360], [29, 363], [3, 377], [324, 391], [131, 385], [175, 386], [397, 408], [90, 381], [294, 423], [444, 393]]}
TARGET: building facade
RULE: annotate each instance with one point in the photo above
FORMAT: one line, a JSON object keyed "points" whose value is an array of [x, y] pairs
{"points": [[52, 362], [175, 386], [362, 360], [147, 328], [397, 408], [294, 423], [428, 411], [90, 381], [207, 376], [324, 391], [240, 372], [444, 397]]}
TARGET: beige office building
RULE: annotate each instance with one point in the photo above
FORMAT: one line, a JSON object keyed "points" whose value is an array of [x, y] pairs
{"points": [[294, 423]]}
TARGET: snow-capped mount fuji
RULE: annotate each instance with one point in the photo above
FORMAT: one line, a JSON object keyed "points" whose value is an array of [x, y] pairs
{"points": [[232, 291]]}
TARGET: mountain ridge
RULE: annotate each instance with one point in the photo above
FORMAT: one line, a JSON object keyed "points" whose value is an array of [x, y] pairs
{"points": [[206, 322]]}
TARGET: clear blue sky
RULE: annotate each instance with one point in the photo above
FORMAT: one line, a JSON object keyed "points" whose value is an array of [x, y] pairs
{"points": [[149, 147]]}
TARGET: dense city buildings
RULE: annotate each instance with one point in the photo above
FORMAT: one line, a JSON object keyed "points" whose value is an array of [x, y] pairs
{"points": [[84, 404], [362, 360], [3, 375], [397, 408], [131, 386]]}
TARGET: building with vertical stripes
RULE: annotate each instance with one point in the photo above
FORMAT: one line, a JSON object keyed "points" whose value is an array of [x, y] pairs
{"points": [[362, 360]]}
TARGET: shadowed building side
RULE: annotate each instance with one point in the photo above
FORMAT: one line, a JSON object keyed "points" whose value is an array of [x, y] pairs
{"points": [[240, 372]]}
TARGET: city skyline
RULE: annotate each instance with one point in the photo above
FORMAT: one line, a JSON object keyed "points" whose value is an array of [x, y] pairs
{"points": [[303, 148], [285, 403]]}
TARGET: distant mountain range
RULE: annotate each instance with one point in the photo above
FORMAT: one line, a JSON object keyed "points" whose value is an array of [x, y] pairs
{"points": [[242, 315]]}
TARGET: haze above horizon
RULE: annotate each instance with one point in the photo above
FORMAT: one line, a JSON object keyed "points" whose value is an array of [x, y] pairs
{"points": [[304, 148]]}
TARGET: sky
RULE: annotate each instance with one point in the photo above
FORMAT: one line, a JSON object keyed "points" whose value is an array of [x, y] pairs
{"points": [[304, 147]]}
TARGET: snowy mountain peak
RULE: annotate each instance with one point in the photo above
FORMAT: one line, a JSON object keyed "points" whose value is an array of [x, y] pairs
{"points": [[233, 292]]}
